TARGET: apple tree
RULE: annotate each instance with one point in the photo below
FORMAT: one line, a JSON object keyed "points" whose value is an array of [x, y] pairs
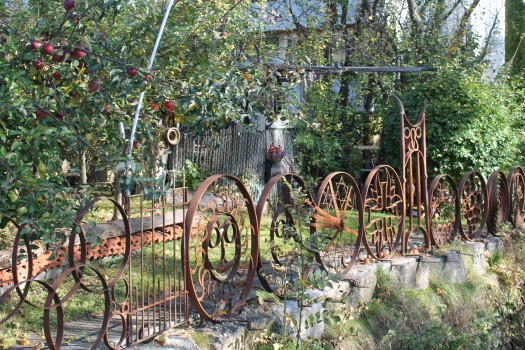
{"points": [[71, 71]]}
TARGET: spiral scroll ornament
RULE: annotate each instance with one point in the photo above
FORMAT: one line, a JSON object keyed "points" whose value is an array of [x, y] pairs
{"points": [[220, 247]]}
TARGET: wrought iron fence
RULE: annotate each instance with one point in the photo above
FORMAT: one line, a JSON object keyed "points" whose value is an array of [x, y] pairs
{"points": [[205, 251]]}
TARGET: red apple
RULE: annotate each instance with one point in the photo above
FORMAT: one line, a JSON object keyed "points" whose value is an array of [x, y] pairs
{"points": [[169, 106], [148, 77], [107, 110], [69, 5], [78, 53], [132, 72], [59, 115], [38, 64], [36, 44], [154, 106], [57, 76], [48, 49], [40, 113], [94, 87], [136, 144], [58, 58], [225, 35]]}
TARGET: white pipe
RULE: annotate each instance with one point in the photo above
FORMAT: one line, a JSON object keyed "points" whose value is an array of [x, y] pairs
{"points": [[141, 97]]}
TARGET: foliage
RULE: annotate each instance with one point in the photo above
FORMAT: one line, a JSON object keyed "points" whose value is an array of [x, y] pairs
{"points": [[192, 176], [326, 135], [515, 34], [275, 153], [67, 105], [471, 122]]}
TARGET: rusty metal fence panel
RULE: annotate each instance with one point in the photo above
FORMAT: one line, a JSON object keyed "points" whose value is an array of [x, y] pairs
{"points": [[166, 255]]}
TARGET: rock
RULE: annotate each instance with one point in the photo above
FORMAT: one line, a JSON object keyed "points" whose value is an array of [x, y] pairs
{"points": [[477, 263], [450, 267], [493, 245], [172, 343], [312, 324], [402, 271], [337, 291], [363, 280]]}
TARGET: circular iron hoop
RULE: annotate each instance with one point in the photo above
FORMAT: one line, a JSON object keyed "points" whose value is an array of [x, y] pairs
{"points": [[172, 136], [516, 185], [383, 196], [201, 283], [474, 204], [282, 229], [443, 233], [337, 205], [499, 201]]}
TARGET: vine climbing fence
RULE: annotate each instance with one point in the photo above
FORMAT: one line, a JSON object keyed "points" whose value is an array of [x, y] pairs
{"points": [[200, 253]]}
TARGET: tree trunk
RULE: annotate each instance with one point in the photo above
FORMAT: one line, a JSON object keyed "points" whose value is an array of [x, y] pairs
{"points": [[118, 196], [515, 34], [83, 168]]}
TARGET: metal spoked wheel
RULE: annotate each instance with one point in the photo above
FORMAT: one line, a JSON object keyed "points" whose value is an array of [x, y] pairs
{"points": [[474, 205], [499, 202], [516, 185], [337, 221]]}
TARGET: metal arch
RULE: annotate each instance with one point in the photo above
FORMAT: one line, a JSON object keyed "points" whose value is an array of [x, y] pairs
{"points": [[284, 241], [383, 212], [444, 201], [220, 290], [338, 220]]}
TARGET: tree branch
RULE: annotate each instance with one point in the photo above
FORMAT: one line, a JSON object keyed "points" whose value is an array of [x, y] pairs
{"points": [[451, 11], [463, 25], [488, 39]]}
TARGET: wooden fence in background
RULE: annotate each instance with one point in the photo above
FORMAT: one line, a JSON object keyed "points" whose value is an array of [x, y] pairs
{"points": [[238, 151]]}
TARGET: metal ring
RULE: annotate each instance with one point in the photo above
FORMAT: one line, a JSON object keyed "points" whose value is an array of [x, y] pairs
{"points": [[172, 136]]}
